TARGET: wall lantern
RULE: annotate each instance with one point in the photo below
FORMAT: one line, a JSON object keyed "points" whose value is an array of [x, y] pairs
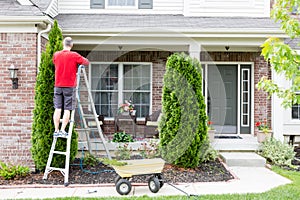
{"points": [[13, 76]]}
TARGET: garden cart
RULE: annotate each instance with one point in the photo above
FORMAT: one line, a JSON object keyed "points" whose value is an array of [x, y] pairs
{"points": [[132, 168]]}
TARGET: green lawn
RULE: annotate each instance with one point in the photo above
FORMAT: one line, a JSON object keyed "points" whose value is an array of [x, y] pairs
{"points": [[289, 192]]}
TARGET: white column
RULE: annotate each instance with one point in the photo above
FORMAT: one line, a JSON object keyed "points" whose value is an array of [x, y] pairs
{"points": [[194, 50]]}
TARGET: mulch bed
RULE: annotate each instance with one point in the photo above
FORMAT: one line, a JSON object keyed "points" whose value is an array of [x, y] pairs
{"points": [[206, 172]]}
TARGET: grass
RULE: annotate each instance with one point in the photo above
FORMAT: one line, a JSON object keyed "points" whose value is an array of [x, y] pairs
{"points": [[288, 192]]}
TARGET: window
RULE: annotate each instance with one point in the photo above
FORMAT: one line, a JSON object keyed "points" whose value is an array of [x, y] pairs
{"points": [[245, 100], [112, 84], [141, 4], [296, 110], [121, 2]]}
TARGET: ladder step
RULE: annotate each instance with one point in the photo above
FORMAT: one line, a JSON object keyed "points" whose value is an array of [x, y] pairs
{"points": [[55, 168], [86, 129], [85, 103], [60, 152]]}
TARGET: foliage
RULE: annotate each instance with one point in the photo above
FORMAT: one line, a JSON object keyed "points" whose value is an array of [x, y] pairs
{"points": [[127, 106], [262, 126], [208, 153], [122, 137], [278, 153], [150, 150], [183, 125], [284, 60], [8, 171], [90, 160], [112, 162], [123, 152], [43, 127]]}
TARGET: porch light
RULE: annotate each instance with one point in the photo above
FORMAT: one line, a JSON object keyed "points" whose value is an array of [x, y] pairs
{"points": [[13, 76]]}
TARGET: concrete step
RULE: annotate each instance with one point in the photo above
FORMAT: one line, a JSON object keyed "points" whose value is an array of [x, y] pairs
{"points": [[243, 159]]}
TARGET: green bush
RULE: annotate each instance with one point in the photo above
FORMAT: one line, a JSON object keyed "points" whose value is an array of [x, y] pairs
{"points": [[123, 152], [122, 137], [182, 128], [208, 153], [42, 126], [90, 160], [277, 153], [11, 171]]}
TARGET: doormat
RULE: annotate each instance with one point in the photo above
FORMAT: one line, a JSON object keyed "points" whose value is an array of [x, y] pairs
{"points": [[228, 137]]}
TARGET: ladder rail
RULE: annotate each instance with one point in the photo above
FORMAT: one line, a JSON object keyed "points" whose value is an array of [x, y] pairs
{"points": [[94, 111]]}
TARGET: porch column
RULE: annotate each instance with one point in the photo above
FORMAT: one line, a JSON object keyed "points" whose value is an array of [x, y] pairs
{"points": [[194, 50]]}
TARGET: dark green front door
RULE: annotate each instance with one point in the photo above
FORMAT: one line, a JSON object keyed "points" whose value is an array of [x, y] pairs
{"points": [[222, 97]]}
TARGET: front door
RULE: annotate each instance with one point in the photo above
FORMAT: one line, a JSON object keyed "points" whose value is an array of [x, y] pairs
{"points": [[222, 97]]}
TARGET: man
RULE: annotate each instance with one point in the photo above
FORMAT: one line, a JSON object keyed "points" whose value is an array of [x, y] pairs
{"points": [[66, 63]]}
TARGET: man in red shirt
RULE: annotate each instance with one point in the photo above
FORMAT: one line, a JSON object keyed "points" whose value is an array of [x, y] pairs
{"points": [[66, 64]]}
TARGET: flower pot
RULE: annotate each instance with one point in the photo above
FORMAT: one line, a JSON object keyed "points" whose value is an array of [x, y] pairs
{"points": [[211, 135], [261, 136]]}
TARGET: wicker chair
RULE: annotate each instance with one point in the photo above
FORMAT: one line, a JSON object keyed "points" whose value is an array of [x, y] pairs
{"points": [[151, 124]]}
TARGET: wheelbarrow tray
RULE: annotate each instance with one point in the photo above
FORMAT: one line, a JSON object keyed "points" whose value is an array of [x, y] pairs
{"points": [[140, 167]]}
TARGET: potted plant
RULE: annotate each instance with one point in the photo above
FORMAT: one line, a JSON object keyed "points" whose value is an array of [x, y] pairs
{"points": [[126, 108], [211, 131], [264, 131]]}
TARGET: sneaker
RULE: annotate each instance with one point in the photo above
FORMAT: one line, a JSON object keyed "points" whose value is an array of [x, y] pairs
{"points": [[56, 134], [63, 134]]}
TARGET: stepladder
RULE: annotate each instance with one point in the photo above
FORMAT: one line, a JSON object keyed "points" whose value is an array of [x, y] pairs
{"points": [[89, 124], [65, 170]]}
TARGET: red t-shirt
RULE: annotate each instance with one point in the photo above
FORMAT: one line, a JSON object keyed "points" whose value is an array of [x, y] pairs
{"points": [[66, 63]]}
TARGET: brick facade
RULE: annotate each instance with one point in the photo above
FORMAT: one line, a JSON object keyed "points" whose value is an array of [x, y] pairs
{"points": [[16, 105]]}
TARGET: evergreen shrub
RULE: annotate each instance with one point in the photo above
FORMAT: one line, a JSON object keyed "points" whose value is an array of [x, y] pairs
{"points": [[43, 127], [183, 128]]}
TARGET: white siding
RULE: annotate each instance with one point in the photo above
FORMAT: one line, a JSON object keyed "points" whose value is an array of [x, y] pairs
{"points": [[247, 8], [159, 7], [52, 10]]}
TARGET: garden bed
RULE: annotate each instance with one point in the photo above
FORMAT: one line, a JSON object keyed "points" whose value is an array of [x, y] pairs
{"points": [[206, 172]]}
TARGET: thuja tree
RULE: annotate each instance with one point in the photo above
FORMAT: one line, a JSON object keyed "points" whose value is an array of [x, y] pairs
{"points": [[183, 128], [43, 127], [283, 59]]}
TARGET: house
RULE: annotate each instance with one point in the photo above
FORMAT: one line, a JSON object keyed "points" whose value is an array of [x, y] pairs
{"points": [[128, 43]]}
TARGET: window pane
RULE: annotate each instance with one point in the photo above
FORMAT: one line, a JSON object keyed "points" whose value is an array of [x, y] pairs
{"points": [[295, 112], [121, 2], [105, 88]]}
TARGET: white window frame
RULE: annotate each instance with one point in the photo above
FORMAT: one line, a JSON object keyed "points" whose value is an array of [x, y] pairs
{"points": [[248, 99], [121, 83], [135, 6]]}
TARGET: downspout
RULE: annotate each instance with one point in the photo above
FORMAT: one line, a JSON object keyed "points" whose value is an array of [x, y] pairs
{"points": [[39, 49]]}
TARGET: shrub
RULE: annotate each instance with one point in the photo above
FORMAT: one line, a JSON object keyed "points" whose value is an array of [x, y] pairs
{"points": [[277, 153], [8, 171], [208, 153], [149, 151], [90, 160], [123, 152], [122, 137], [183, 126], [42, 126]]}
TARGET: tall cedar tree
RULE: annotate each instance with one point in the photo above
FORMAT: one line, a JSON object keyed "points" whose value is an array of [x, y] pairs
{"points": [[43, 127], [183, 129]]}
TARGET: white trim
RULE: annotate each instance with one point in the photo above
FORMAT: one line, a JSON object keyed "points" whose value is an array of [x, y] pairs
{"points": [[238, 129], [248, 98], [252, 98]]}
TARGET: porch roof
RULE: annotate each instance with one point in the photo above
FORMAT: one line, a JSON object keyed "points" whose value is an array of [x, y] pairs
{"points": [[13, 8], [104, 22]]}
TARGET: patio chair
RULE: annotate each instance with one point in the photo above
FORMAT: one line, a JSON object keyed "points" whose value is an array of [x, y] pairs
{"points": [[151, 124]]}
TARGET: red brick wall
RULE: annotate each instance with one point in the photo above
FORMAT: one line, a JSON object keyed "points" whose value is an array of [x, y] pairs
{"points": [[16, 105]]}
